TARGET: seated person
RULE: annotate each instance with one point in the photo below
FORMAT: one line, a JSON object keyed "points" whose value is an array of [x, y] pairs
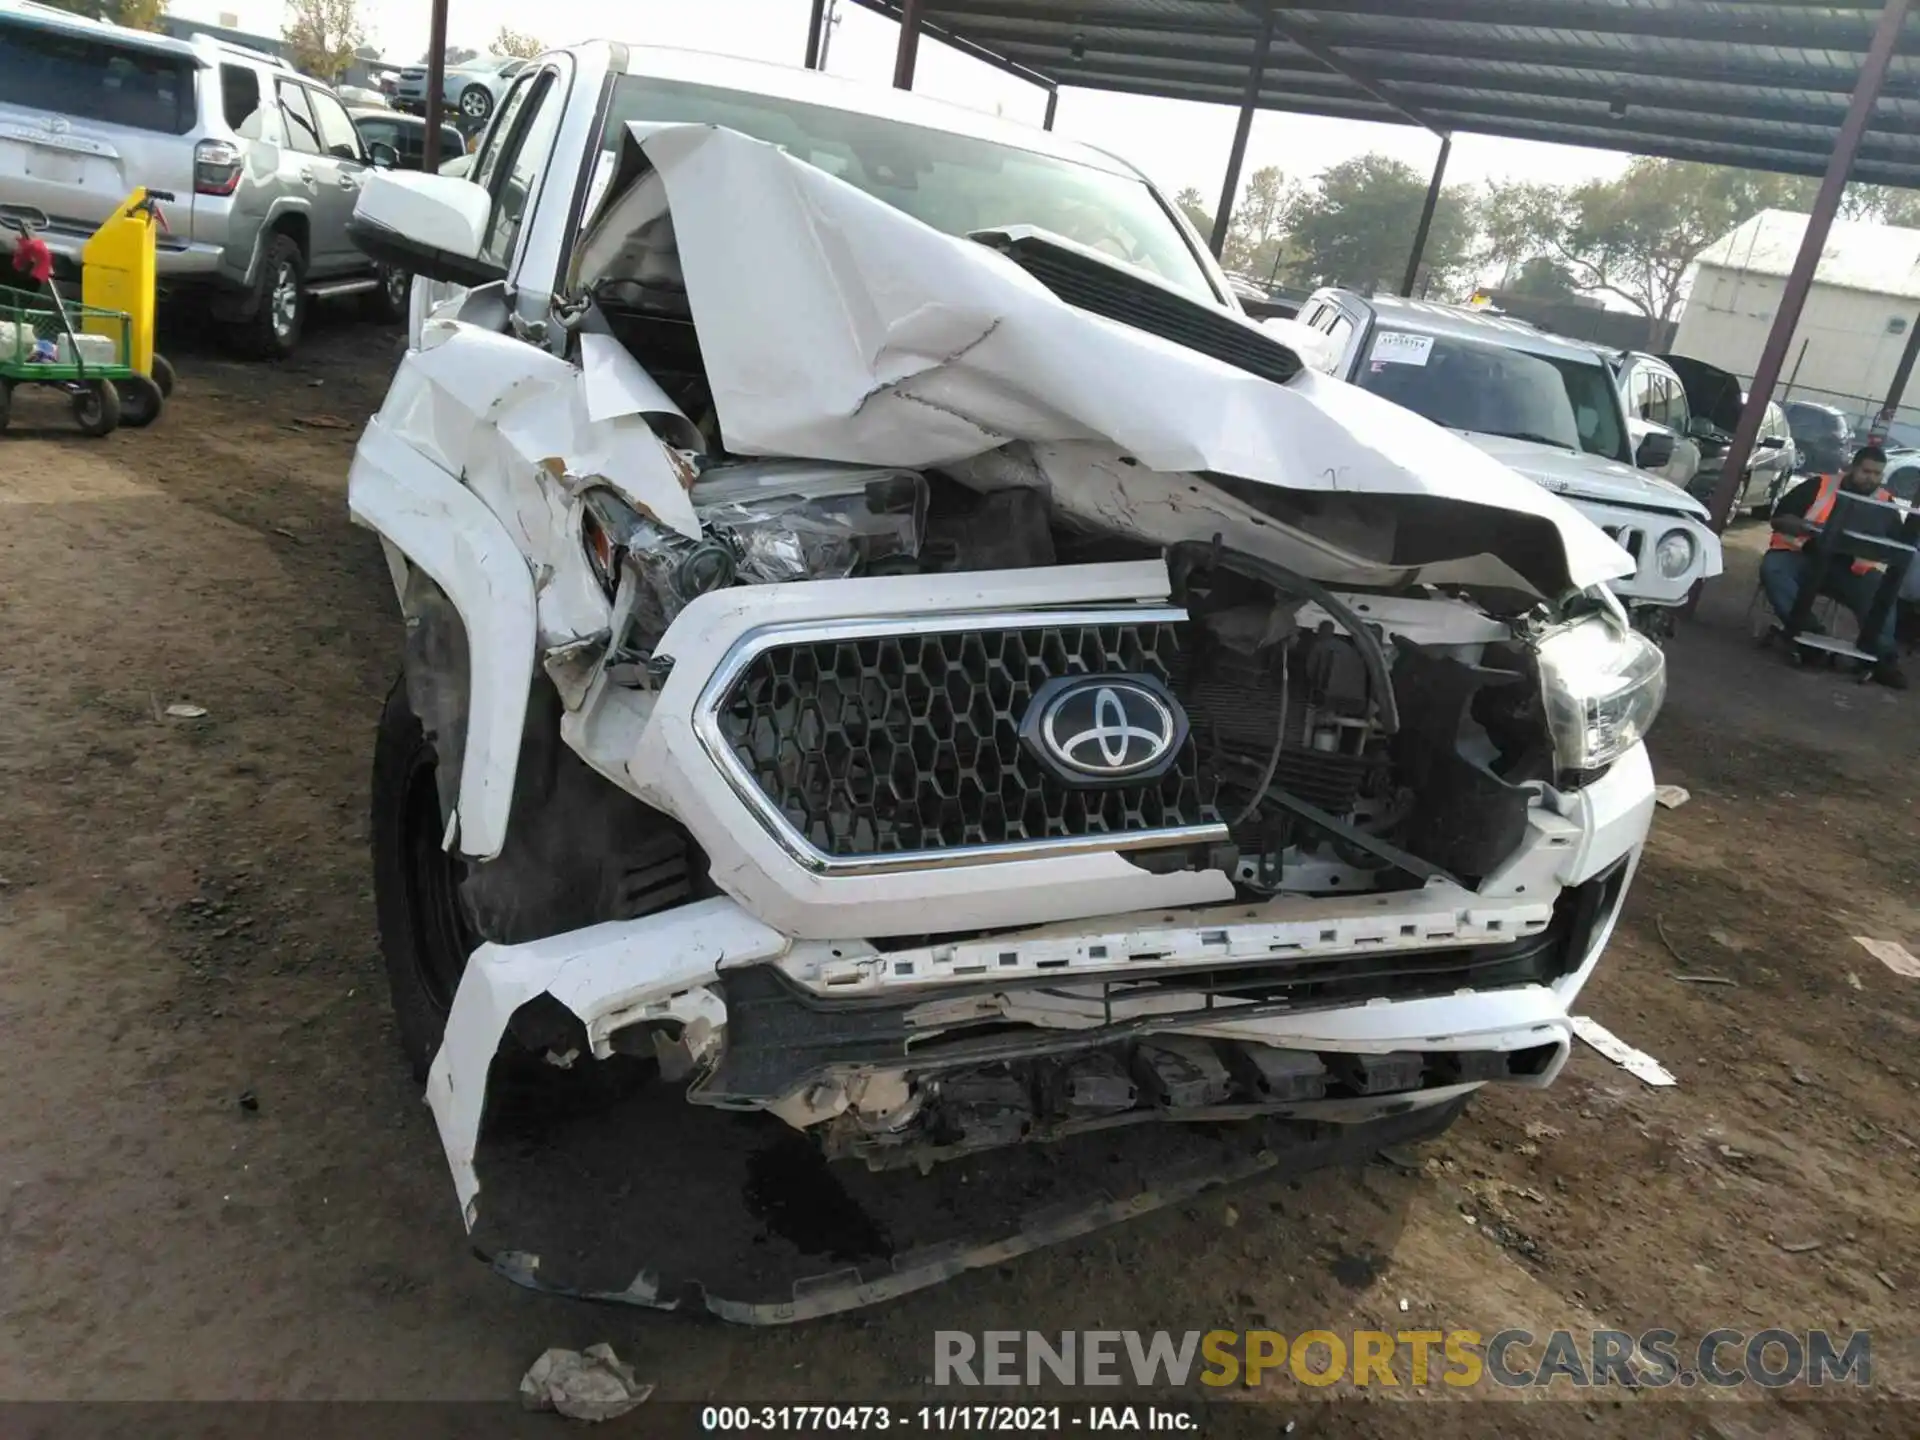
{"points": [[1793, 553]]}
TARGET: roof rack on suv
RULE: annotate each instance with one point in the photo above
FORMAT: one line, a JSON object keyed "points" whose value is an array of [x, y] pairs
{"points": [[201, 41]]}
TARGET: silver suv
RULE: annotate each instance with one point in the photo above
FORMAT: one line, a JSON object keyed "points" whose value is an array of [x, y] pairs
{"points": [[264, 163]]}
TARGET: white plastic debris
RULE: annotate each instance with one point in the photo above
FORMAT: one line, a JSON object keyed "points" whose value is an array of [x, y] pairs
{"points": [[1890, 953], [187, 712], [590, 1385], [1671, 797], [1635, 1062]]}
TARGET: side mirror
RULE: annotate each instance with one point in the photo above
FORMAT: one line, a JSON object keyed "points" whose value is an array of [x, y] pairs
{"points": [[430, 225], [1656, 450], [383, 156], [457, 165]]}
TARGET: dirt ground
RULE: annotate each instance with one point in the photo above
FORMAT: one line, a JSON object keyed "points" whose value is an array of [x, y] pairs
{"points": [[216, 1180]]}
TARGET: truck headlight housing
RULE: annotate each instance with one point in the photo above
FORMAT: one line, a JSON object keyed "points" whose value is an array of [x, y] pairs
{"points": [[1675, 554], [1603, 685]]}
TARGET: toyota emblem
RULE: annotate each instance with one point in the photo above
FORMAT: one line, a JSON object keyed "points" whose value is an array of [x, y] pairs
{"points": [[1105, 729]]}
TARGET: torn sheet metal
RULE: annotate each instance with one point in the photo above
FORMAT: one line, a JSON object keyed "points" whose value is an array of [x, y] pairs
{"points": [[509, 419], [834, 326], [610, 976], [1635, 1062]]}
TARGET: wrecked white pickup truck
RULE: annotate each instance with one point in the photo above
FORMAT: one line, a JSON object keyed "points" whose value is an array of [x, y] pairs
{"points": [[892, 653]]}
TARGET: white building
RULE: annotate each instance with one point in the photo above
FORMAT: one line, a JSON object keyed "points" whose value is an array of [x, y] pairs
{"points": [[1865, 300]]}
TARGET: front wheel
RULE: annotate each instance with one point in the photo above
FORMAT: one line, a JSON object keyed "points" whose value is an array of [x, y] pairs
{"points": [[476, 102], [425, 933], [96, 407], [141, 400], [163, 375], [387, 303], [280, 309]]}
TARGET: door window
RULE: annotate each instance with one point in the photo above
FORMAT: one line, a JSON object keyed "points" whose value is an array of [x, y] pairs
{"points": [[239, 98], [302, 133], [338, 138], [512, 169], [1639, 397]]}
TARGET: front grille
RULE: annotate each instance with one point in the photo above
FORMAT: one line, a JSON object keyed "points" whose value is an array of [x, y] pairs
{"points": [[1088, 284], [1630, 538], [910, 743]]}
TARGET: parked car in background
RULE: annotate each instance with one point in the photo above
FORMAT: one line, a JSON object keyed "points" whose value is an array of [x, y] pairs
{"points": [[1547, 406], [1656, 399], [1900, 434], [361, 98], [473, 88], [1823, 434], [1902, 479], [264, 163], [1716, 400], [1112, 725], [406, 136]]}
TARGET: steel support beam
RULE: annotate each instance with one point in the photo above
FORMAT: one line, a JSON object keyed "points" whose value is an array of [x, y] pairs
{"points": [[1426, 217], [816, 28], [436, 83], [912, 14], [1886, 39], [896, 10], [1249, 101], [1358, 75], [1897, 391]]}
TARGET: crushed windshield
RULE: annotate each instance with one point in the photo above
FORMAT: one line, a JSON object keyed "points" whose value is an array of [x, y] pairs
{"points": [[955, 183], [1493, 390]]}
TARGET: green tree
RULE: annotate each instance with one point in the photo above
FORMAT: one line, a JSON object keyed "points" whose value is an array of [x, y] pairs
{"points": [[517, 42], [1194, 207], [322, 36], [1257, 232], [1635, 237], [1356, 226], [134, 14], [1542, 278]]}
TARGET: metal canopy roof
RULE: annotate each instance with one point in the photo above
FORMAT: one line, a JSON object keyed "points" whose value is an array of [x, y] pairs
{"points": [[1760, 85]]}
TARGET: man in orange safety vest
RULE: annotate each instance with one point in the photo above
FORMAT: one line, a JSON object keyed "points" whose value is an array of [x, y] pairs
{"points": [[1792, 555]]}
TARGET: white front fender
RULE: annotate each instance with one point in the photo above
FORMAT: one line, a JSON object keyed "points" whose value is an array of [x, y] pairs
{"points": [[444, 528]]}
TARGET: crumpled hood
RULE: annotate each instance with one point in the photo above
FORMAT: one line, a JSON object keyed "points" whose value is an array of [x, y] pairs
{"points": [[833, 326], [1588, 477]]}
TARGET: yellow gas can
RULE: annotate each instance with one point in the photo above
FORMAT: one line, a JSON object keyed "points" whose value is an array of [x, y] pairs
{"points": [[117, 274]]}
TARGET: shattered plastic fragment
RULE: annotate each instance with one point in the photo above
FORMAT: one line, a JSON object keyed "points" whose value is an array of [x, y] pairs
{"points": [[1635, 1062], [1895, 956]]}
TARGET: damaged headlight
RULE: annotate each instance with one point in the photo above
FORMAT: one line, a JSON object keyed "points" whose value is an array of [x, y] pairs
{"points": [[756, 531], [1603, 685]]}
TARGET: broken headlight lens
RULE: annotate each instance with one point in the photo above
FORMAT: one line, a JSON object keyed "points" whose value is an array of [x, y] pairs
{"points": [[1603, 685]]}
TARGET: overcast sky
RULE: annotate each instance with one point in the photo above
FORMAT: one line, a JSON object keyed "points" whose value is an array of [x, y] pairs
{"points": [[1176, 142]]}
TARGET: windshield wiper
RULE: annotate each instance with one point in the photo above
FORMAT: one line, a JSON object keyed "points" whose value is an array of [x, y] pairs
{"points": [[1557, 444]]}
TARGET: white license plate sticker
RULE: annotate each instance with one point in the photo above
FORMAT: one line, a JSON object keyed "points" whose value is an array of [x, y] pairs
{"points": [[1392, 347]]}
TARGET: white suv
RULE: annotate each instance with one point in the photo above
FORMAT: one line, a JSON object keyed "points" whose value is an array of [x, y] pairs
{"points": [[893, 648], [264, 164]]}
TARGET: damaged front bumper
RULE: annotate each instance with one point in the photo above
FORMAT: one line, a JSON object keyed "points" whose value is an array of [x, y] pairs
{"points": [[1312, 1063]]}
